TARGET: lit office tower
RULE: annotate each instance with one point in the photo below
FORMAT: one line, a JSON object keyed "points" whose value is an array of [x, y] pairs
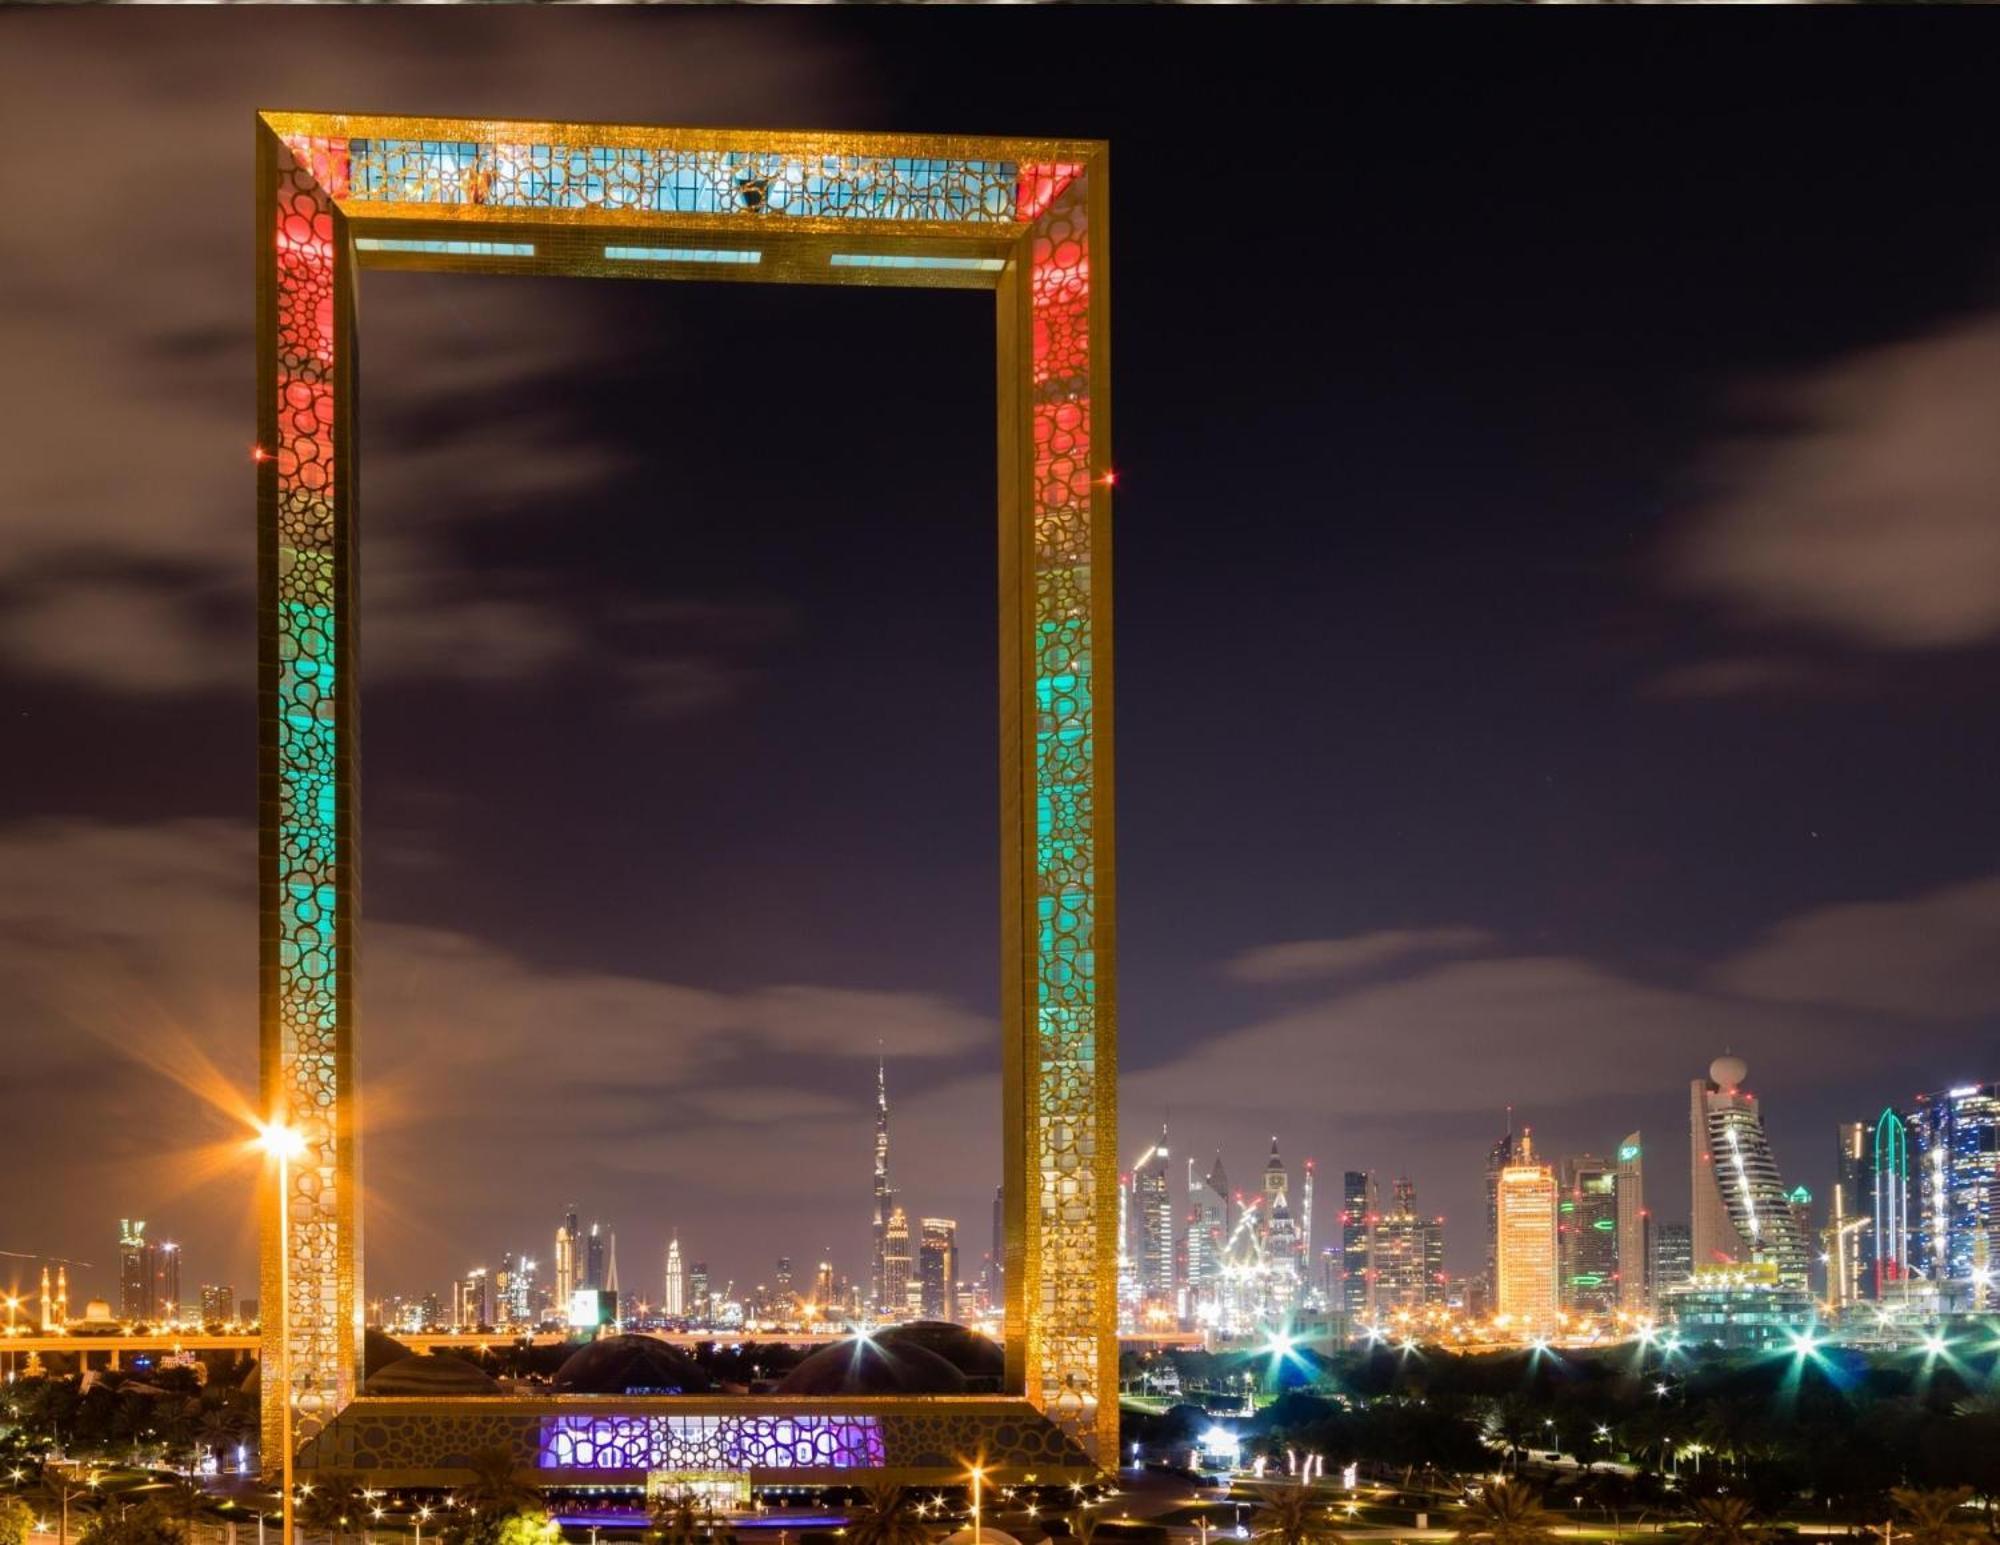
{"points": [[596, 1257], [996, 1263], [1281, 1230], [896, 1275], [673, 1303], [135, 1271], [471, 1300], [1208, 1225], [1587, 1231], [1635, 1229], [1847, 1220], [167, 1282], [1742, 1211], [1955, 1161], [1498, 1157], [565, 1260], [700, 1306], [1890, 1252], [1306, 1217], [1405, 1258], [885, 1200], [823, 1292], [1526, 1257], [1155, 1221], [218, 1303], [1673, 1255], [1275, 1185], [782, 1280], [937, 1267], [1358, 1206]]}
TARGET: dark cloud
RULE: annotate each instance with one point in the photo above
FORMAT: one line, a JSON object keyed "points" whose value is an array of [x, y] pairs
{"points": [[1866, 509]]}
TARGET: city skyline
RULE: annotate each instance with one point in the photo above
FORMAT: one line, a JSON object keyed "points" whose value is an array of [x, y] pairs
{"points": [[1618, 785]]}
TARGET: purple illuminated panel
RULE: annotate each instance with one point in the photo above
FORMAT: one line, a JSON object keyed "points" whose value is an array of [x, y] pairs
{"points": [[666, 1442]]}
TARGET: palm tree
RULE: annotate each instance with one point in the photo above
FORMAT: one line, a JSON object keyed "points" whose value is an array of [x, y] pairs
{"points": [[1290, 1515], [334, 1504], [185, 1498], [887, 1518], [1506, 1513], [496, 1486], [1724, 1520], [1933, 1517], [1510, 1423], [674, 1521]]}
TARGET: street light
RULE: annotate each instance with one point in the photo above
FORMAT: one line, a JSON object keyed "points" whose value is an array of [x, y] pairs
{"points": [[978, 1477], [284, 1144]]}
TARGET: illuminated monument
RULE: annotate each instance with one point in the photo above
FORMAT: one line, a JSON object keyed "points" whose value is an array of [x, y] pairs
{"points": [[1024, 219]]}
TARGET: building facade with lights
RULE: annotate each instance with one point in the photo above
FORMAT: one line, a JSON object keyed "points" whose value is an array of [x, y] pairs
{"points": [[1955, 1175], [1635, 1229], [1749, 1306], [1742, 1211], [1528, 1255], [1587, 1231]]}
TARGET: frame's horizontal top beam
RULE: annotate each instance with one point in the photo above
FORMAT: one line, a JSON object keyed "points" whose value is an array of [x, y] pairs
{"points": [[584, 170], [804, 142]]}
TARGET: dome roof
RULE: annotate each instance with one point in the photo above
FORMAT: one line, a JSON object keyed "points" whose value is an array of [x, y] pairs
{"points": [[859, 1366], [631, 1365], [988, 1535], [1728, 1072], [378, 1350], [974, 1355], [422, 1374]]}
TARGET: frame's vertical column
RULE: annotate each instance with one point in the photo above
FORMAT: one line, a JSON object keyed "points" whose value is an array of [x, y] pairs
{"points": [[306, 774], [1060, 1065]]}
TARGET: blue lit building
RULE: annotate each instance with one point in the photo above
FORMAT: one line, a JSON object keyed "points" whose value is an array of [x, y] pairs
{"points": [[1954, 1138]]}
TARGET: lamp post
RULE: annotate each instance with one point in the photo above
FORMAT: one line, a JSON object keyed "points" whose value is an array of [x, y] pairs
{"points": [[978, 1476], [284, 1144]]}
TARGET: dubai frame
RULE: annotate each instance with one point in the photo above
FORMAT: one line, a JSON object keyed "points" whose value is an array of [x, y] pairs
{"points": [[1025, 219]]}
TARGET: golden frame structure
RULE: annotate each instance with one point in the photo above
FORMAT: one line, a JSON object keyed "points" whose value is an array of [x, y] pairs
{"points": [[1026, 219]]}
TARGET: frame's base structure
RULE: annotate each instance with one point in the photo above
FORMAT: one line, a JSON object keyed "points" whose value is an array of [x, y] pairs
{"points": [[599, 1440]]}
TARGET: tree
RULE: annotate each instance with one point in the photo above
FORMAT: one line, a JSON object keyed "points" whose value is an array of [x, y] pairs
{"points": [[887, 1517], [16, 1519], [496, 1486], [1083, 1526], [185, 1498], [1933, 1517], [1292, 1515], [1507, 1513], [1724, 1520], [1511, 1422], [334, 1505], [530, 1526], [147, 1524], [65, 1489]]}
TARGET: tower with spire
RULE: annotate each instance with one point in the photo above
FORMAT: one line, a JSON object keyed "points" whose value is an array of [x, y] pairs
{"points": [[885, 1198]]}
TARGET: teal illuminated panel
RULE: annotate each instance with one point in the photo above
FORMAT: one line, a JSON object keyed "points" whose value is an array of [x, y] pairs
{"points": [[666, 180], [446, 248], [978, 265], [681, 255]]}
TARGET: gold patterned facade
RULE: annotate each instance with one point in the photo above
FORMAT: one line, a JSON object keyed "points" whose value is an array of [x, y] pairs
{"points": [[1026, 219]]}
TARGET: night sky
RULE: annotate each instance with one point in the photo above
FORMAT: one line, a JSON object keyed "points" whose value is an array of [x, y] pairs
{"points": [[1558, 621]]}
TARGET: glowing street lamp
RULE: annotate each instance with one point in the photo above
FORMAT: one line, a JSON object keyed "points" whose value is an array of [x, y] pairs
{"points": [[978, 1479], [284, 1144]]}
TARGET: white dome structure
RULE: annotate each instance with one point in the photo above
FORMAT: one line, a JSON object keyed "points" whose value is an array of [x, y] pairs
{"points": [[1728, 1072]]}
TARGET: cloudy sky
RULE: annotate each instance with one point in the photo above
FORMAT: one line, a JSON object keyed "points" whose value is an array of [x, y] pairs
{"points": [[1559, 608]]}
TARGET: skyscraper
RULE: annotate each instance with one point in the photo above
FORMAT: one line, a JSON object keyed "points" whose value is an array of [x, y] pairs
{"points": [[701, 1306], [1673, 1256], [938, 1268], [1405, 1258], [1498, 1157], [135, 1271], [1742, 1210], [1208, 1229], [1635, 1229], [879, 1295], [1891, 1252], [218, 1303], [996, 1263], [565, 1260], [596, 1246], [1156, 1226], [1306, 1214], [1955, 1161], [166, 1306], [897, 1280], [1526, 1258], [1358, 1207], [1587, 1235], [673, 1303]]}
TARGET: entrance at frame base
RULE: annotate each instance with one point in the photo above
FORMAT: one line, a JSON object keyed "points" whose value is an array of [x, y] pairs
{"points": [[721, 1491]]}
